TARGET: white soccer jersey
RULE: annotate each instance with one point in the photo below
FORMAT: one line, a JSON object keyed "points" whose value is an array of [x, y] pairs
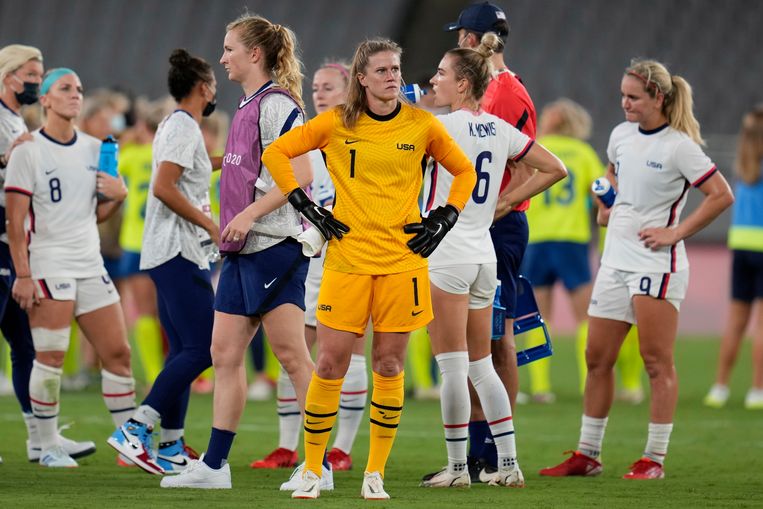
{"points": [[278, 114], [11, 127], [489, 142], [60, 179], [165, 234], [654, 170]]}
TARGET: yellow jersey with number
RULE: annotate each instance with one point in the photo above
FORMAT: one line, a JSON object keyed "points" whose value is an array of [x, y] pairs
{"points": [[135, 167], [377, 168]]}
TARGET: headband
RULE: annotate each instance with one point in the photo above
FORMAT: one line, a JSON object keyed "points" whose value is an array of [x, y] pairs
{"points": [[52, 77], [339, 67], [647, 83]]}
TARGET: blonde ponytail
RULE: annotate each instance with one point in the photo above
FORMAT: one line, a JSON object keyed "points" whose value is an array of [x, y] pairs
{"points": [[288, 68], [749, 161]]}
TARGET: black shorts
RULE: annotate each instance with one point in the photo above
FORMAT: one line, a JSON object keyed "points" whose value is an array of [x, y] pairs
{"points": [[747, 275]]}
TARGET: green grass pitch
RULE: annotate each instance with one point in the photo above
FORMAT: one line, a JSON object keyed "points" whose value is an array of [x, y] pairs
{"points": [[715, 456]]}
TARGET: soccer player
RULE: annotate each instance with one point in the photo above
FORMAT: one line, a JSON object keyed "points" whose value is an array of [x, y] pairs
{"points": [[20, 77], [329, 90], [746, 242], [506, 97], [263, 274], [178, 238], [462, 269], [374, 145], [654, 157], [51, 183]]}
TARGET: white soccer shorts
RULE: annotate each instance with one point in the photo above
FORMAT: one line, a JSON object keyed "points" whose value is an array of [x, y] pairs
{"points": [[477, 280], [88, 294]]}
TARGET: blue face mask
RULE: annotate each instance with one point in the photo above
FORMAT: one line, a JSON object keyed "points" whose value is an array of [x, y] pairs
{"points": [[118, 123]]}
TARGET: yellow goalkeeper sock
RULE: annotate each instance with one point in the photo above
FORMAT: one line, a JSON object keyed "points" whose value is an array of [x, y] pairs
{"points": [[386, 408], [321, 407]]}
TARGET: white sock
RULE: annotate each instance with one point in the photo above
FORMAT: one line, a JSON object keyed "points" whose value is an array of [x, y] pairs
{"points": [[289, 416], [592, 435], [657, 441], [352, 403], [455, 407], [171, 435], [497, 408], [146, 415], [31, 429], [44, 393], [119, 396]]}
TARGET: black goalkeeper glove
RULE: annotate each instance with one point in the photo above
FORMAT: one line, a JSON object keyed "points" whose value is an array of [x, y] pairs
{"points": [[321, 218], [431, 230]]}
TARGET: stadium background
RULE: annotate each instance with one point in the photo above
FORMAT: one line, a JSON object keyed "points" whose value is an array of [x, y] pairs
{"points": [[559, 47]]}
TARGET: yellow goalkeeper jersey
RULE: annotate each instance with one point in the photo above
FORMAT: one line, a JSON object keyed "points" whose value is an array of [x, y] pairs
{"points": [[377, 169]]}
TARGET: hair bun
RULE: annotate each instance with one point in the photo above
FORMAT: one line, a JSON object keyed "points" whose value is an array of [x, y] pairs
{"points": [[180, 57], [490, 43]]}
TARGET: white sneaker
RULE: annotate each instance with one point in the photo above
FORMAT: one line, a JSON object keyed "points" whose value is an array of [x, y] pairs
{"points": [[511, 478], [309, 486], [199, 475], [444, 479], [57, 457], [373, 487], [717, 396], [295, 479], [754, 399], [72, 448]]}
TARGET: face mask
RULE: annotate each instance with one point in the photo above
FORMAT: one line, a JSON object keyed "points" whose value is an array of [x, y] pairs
{"points": [[30, 93], [118, 123], [209, 108]]}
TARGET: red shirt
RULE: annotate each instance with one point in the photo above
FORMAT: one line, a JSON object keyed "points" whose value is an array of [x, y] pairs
{"points": [[507, 98]]}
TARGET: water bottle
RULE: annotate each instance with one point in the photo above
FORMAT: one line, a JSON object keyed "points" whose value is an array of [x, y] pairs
{"points": [[107, 160], [499, 315], [211, 252], [413, 92], [602, 188]]}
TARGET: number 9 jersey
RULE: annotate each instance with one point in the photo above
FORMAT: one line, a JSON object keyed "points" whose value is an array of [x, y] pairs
{"points": [[60, 180], [489, 143]]}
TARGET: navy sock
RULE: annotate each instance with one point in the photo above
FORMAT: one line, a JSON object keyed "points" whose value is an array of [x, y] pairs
{"points": [[478, 431], [326, 460], [220, 442], [489, 452]]}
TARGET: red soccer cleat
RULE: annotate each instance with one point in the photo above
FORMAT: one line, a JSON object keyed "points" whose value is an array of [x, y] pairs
{"points": [[577, 464], [645, 468], [339, 459], [280, 458], [190, 451]]}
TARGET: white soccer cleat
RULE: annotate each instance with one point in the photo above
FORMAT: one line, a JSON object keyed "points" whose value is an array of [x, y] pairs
{"points": [[754, 399], [199, 475], [309, 486], [509, 477], [444, 479], [373, 487], [57, 457], [72, 448], [717, 396], [295, 479]]}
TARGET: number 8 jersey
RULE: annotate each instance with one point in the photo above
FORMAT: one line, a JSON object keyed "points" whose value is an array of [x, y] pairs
{"points": [[488, 142], [60, 180]]}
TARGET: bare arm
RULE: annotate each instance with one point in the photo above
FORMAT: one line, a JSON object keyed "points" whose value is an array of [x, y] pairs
{"points": [[273, 199], [217, 162], [549, 171], [16, 207], [718, 197], [113, 188]]}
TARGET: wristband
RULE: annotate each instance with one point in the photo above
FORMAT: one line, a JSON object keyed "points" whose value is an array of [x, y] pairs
{"points": [[24, 277]]}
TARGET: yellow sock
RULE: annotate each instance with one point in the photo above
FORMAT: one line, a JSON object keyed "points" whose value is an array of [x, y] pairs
{"points": [[386, 408], [72, 356], [581, 339], [148, 338], [629, 362], [540, 377], [321, 408], [420, 358]]}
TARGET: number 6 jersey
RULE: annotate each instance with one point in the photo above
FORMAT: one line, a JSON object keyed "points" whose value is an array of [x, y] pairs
{"points": [[60, 180], [488, 142]]}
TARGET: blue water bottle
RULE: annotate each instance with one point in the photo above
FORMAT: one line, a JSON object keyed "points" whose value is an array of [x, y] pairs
{"points": [[499, 315], [413, 92], [107, 160], [602, 188]]}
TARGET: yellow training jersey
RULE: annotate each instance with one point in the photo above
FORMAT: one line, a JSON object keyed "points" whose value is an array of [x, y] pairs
{"points": [[563, 212], [135, 167], [377, 168]]}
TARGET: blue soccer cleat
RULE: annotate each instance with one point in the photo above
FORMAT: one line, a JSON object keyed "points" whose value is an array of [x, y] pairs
{"points": [[174, 457], [133, 439]]}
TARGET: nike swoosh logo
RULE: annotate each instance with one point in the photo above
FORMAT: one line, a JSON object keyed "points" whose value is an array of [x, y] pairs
{"points": [[312, 422], [416, 313], [178, 463], [267, 285], [350, 142], [48, 172], [388, 418], [371, 489]]}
